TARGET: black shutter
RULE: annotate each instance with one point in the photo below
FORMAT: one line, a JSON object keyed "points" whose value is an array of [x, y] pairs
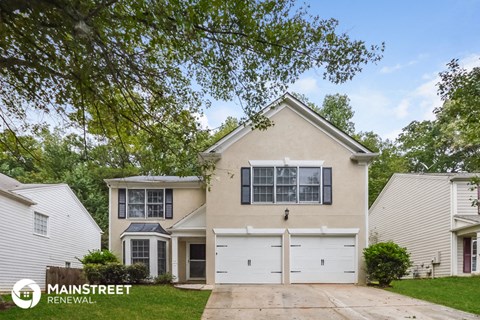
{"points": [[122, 203], [327, 186], [168, 203], [245, 192]]}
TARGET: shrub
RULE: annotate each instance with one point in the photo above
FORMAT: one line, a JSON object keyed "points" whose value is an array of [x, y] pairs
{"points": [[166, 278], [137, 272], [99, 257], [386, 261], [110, 273]]}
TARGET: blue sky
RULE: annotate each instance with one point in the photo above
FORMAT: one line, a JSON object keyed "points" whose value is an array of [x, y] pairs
{"points": [[420, 37]]}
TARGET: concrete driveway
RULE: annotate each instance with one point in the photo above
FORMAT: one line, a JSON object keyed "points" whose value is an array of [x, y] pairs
{"points": [[319, 302]]}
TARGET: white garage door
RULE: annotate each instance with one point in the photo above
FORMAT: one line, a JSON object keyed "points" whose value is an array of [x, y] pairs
{"points": [[248, 259], [315, 259]]}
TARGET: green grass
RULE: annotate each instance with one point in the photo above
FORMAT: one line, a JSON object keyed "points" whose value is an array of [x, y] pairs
{"points": [[143, 302], [461, 293]]}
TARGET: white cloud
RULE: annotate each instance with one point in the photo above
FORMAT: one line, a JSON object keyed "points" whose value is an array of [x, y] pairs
{"points": [[470, 61], [398, 66], [391, 69], [392, 135], [401, 111], [203, 120], [307, 85]]}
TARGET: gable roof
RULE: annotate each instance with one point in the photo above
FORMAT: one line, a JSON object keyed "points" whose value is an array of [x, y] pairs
{"points": [[360, 152]]}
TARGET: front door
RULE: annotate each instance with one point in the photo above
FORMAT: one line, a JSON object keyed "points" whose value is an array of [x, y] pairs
{"points": [[196, 261]]}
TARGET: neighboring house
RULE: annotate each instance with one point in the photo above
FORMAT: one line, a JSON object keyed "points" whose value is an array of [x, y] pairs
{"points": [[41, 225], [285, 205], [433, 217]]}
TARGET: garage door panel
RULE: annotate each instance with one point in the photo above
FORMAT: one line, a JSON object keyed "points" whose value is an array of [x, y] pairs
{"points": [[315, 259], [249, 259]]}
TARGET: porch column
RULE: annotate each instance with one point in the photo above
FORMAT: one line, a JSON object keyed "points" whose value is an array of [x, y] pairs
{"points": [[175, 258]]}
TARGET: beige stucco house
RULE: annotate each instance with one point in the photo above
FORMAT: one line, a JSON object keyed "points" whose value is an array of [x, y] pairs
{"points": [[284, 205], [433, 217]]}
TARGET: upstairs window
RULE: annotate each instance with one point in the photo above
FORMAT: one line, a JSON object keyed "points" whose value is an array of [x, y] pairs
{"points": [[40, 224], [145, 203], [292, 184], [263, 184]]}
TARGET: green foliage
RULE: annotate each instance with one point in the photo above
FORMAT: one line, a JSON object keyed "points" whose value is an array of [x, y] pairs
{"points": [[143, 302], [166, 278], [140, 73], [336, 109], [115, 273], [454, 292], [389, 161], [99, 257], [386, 261], [137, 272]]}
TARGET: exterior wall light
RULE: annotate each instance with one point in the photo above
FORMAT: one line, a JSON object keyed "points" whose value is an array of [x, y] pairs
{"points": [[287, 212]]}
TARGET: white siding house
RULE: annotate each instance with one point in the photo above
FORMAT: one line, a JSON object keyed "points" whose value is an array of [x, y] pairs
{"points": [[433, 217], [40, 226]]}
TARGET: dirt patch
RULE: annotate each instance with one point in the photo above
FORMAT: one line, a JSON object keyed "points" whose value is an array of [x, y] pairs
{"points": [[6, 305]]}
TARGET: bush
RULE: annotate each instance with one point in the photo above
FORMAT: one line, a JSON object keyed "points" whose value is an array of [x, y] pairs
{"points": [[99, 257], [110, 273], [137, 273], [166, 278], [115, 273], [386, 261]]}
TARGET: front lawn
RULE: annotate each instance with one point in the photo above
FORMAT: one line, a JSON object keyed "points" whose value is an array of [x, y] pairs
{"points": [[143, 302], [461, 293]]}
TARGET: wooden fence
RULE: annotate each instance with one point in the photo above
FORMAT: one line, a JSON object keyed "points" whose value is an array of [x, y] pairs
{"points": [[64, 276]]}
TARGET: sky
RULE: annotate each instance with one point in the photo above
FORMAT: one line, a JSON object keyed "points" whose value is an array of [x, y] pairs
{"points": [[420, 37]]}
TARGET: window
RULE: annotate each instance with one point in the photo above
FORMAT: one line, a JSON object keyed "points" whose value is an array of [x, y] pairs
{"points": [[291, 184], [309, 182], [141, 252], [68, 264], [145, 203], [162, 257], [263, 184], [40, 225], [286, 184]]}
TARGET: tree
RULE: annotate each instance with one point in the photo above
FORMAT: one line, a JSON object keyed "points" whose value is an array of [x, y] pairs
{"points": [[386, 261], [336, 109], [230, 124], [153, 64], [460, 113], [428, 148], [389, 161]]}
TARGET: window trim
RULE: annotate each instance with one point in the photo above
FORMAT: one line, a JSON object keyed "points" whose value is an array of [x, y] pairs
{"points": [[279, 164], [145, 216], [47, 234]]}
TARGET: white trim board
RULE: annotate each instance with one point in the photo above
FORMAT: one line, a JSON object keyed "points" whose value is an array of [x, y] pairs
{"points": [[324, 231], [248, 230]]}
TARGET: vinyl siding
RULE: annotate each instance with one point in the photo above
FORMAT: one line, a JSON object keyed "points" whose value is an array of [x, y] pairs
{"points": [[71, 233], [465, 196], [414, 212]]}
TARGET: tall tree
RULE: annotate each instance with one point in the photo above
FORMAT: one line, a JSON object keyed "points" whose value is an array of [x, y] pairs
{"points": [[336, 109], [389, 161], [152, 63]]}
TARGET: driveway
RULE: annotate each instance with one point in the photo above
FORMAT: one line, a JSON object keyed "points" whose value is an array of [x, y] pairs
{"points": [[245, 302]]}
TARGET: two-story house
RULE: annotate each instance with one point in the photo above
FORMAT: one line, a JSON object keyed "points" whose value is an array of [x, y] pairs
{"points": [[435, 217], [284, 205], [41, 225]]}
